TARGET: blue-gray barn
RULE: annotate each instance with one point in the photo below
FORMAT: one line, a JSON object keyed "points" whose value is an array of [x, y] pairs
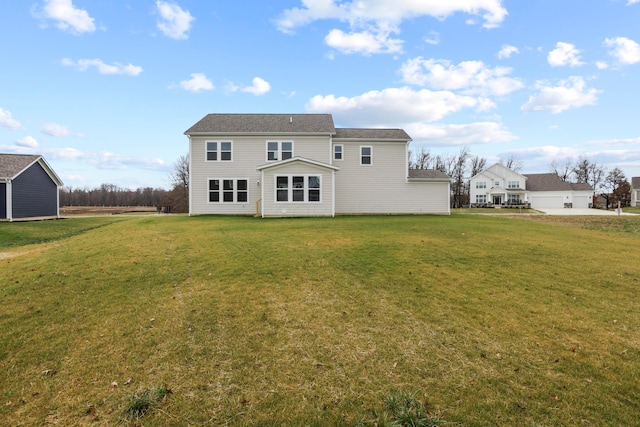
{"points": [[29, 188]]}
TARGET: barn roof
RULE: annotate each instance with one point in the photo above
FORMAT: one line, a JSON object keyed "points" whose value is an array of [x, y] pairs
{"points": [[12, 164]]}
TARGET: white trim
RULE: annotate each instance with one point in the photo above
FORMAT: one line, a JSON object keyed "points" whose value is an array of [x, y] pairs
{"points": [[218, 150], [333, 155], [190, 174], [274, 165], [9, 201], [221, 191], [290, 188], [279, 152], [370, 155]]}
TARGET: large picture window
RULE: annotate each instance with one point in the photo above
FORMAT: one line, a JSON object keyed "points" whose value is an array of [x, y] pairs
{"points": [[298, 188], [279, 150], [228, 191], [219, 151]]}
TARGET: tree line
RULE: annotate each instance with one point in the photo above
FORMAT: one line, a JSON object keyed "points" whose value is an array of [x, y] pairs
{"points": [[612, 186]]}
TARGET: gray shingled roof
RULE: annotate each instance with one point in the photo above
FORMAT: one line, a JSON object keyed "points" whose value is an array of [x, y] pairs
{"points": [[12, 164], [427, 174], [362, 133], [263, 123], [552, 182], [635, 182]]}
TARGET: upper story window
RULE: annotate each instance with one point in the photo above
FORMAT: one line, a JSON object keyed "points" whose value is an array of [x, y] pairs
{"points": [[481, 184], [219, 151], [338, 152], [366, 156], [496, 184], [513, 184], [279, 150]]}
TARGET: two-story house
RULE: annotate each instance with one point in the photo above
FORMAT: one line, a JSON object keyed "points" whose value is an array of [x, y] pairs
{"points": [[635, 191], [500, 186], [302, 165], [497, 186]]}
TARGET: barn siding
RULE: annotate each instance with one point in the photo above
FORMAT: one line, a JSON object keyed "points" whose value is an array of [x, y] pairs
{"points": [[34, 194], [3, 201]]}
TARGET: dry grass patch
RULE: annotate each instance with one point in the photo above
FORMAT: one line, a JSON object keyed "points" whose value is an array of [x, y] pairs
{"points": [[483, 320]]}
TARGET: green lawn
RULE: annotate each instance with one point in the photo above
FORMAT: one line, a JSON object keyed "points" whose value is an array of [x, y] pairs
{"points": [[240, 321]]}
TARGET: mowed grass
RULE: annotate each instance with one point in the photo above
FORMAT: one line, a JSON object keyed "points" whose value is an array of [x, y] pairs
{"points": [[286, 322]]}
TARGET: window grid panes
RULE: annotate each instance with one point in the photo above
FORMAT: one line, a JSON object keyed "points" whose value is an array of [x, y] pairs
{"points": [[279, 150], [228, 190], [365, 155], [513, 184], [298, 188], [337, 152], [481, 184], [219, 151]]}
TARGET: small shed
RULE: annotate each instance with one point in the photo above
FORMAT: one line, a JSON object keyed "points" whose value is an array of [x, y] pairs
{"points": [[29, 188]]}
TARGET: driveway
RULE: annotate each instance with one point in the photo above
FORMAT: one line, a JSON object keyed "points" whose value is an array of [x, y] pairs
{"points": [[590, 212]]}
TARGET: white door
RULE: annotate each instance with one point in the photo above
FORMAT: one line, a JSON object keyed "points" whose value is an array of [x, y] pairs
{"points": [[547, 202]]}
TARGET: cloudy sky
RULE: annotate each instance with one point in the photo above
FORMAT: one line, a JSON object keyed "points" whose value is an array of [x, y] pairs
{"points": [[105, 89]]}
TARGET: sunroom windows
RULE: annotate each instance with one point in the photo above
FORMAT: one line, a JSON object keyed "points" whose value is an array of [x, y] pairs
{"points": [[279, 150], [228, 190], [297, 188], [219, 151]]}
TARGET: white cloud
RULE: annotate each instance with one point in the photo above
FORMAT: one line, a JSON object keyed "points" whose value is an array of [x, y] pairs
{"points": [[601, 65], [570, 93], [68, 17], [7, 120], [363, 42], [197, 83], [55, 129], [175, 22], [103, 68], [459, 134], [507, 50], [394, 106], [28, 142], [107, 160], [564, 54], [630, 2], [433, 39], [259, 87], [472, 77], [624, 50], [359, 12]]}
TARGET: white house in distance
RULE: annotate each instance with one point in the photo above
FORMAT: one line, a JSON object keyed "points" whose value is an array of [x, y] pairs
{"points": [[276, 165], [635, 191], [499, 186]]}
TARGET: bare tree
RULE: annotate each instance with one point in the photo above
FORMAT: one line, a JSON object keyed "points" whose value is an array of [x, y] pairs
{"points": [[178, 197], [420, 159], [458, 170], [618, 186], [477, 165], [512, 162], [564, 169], [589, 172]]}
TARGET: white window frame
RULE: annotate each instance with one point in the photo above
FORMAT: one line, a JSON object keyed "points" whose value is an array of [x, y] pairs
{"points": [[481, 198], [219, 151], [513, 199], [336, 152], [370, 155], [221, 190], [279, 151], [481, 184], [513, 184], [497, 183], [290, 188]]}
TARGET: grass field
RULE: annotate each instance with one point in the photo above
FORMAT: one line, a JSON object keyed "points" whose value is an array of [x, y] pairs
{"points": [[176, 320]]}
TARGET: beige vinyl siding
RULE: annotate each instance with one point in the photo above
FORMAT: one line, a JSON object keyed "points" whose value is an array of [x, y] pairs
{"points": [[271, 208], [382, 187], [248, 153]]}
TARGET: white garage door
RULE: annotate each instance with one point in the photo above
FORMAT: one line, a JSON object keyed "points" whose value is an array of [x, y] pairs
{"points": [[547, 202], [581, 202]]}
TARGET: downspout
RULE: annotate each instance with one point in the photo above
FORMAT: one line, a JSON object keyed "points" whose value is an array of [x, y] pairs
{"points": [[333, 194], [58, 201], [262, 192], [9, 201], [189, 182]]}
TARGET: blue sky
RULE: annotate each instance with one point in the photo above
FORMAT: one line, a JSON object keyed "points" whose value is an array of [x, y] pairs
{"points": [[105, 89]]}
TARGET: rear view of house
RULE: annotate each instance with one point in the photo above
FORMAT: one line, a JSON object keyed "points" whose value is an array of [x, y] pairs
{"points": [[29, 188], [302, 165]]}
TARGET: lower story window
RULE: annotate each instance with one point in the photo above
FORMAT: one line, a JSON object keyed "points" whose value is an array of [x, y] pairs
{"points": [[228, 190], [513, 199], [297, 188], [481, 198]]}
